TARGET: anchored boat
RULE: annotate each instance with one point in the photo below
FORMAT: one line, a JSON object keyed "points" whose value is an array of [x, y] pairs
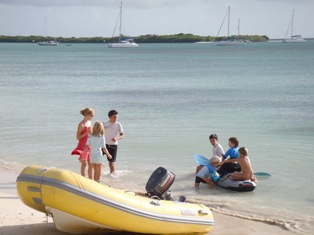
{"points": [[123, 42], [293, 38], [79, 205]]}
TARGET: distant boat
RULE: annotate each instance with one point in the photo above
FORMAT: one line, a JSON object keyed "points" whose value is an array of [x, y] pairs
{"points": [[230, 42], [47, 42], [204, 42], [293, 38], [123, 42]]}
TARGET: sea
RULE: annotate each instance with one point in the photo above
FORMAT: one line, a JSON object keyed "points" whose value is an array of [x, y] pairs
{"points": [[170, 98]]}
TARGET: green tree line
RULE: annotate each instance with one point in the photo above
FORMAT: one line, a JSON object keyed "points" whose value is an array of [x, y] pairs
{"points": [[149, 38]]}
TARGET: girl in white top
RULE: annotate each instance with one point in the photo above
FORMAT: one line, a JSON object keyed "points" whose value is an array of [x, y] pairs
{"points": [[96, 143]]}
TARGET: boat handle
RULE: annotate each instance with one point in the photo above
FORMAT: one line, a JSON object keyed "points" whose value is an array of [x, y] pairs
{"points": [[41, 170], [155, 202], [203, 212]]}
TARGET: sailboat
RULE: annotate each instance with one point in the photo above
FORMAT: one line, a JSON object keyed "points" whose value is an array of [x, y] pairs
{"points": [[47, 42], [230, 42], [123, 42], [293, 38]]}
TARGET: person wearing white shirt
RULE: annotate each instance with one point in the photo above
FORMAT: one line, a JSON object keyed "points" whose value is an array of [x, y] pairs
{"points": [[217, 148], [218, 152], [113, 133]]}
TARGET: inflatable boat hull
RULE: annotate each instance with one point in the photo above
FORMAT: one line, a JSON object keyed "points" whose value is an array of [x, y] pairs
{"points": [[79, 205], [237, 185]]}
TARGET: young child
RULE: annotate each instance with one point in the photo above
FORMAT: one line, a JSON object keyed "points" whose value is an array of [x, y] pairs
{"points": [[217, 148], [233, 148], [96, 144], [208, 174], [232, 153], [246, 168]]}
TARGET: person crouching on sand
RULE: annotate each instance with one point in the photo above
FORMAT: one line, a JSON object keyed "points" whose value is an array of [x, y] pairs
{"points": [[245, 164], [208, 174]]}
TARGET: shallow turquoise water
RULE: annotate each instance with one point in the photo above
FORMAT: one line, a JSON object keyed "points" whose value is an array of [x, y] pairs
{"points": [[170, 97]]}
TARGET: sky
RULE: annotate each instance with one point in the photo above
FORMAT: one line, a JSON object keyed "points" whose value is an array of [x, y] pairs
{"points": [[97, 18]]}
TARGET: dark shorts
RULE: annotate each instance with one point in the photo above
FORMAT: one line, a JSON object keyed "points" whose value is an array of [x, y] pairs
{"points": [[199, 180], [228, 168], [112, 149]]}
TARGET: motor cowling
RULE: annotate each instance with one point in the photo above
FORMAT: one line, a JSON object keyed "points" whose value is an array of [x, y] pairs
{"points": [[159, 183]]}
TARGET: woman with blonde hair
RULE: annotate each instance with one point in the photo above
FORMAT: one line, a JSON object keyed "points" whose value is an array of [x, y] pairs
{"points": [[95, 145], [83, 130]]}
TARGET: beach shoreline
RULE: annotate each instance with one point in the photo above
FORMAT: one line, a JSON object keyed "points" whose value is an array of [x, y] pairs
{"points": [[16, 218]]}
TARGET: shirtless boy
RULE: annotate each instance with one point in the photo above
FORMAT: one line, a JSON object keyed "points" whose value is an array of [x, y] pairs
{"points": [[246, 168]]}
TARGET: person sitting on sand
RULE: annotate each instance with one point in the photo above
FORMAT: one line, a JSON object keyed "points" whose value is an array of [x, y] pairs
{"points": [[208, 174], [246, 172]]}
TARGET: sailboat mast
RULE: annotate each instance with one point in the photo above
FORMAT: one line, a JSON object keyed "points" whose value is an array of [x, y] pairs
{"points": [[46, 28], [228, 20], [120, 26], [238, 26], [292, 23]]}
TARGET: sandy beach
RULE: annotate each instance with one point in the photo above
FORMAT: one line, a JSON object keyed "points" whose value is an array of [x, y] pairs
{"points": [[16, 218]]}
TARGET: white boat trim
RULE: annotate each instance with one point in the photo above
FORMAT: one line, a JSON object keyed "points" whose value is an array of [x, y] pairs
{"points": [[75, 225], [123, 44], [230, 43], [48, 43]]}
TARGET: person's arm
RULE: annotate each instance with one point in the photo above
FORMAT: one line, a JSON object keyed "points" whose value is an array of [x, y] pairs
{"points": [[114, 139], [107, 152], [224, 156], [209, 182], [229, 161], [220, 152], [121, 136], [79, 131]]}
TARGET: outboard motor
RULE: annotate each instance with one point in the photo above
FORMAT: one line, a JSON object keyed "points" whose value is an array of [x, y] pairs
{"points": [[159, 183]]}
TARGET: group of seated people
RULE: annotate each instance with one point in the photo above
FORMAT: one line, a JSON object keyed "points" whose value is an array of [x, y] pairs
{"points": [[235, 161]]}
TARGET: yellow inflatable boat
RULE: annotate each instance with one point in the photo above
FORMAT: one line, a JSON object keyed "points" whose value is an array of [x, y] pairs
{"points": [[79, 205]]}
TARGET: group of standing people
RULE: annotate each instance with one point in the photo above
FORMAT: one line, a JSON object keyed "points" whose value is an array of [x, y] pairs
{"points": [[235, 161], [97, 141]]}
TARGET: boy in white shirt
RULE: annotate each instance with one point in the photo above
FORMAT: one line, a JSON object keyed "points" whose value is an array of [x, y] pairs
{"points": [[203, 172], [217, 148], [113, 133]]}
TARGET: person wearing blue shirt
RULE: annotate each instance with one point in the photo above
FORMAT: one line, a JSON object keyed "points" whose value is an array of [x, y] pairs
{"points": [[232, 153]]}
